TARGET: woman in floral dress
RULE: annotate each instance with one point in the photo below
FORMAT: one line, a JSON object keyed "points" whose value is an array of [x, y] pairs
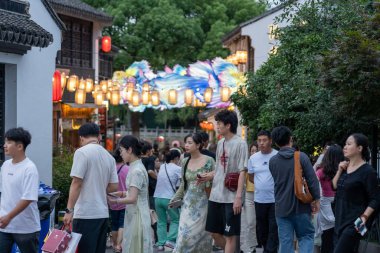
{"points": [[197, 172], [137, 224]]}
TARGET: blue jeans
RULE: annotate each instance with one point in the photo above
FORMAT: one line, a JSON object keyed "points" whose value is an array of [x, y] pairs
{"points": [[300, 224]]}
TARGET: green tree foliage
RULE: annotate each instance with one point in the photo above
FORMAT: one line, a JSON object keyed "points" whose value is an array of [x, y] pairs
{"points": [[291, 87], [166, 32]]}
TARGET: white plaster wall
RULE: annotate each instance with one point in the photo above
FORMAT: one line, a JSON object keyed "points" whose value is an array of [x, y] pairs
{"points": [[259, 34], [33, 108]]}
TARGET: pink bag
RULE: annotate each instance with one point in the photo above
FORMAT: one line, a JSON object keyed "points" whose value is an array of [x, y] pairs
{"points": [[57, 241]]}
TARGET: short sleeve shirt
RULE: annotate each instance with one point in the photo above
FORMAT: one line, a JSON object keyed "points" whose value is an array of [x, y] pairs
{"points": [[20, 181], [258, 165], [96, 167], [164, 187], [230, 157]]}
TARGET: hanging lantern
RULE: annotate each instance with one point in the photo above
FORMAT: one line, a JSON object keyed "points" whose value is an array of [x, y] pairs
{"points": [[89, 85], [72, 83], [145, 97], [207, 96], [109, 83], [82, 84], [108, 94], [241, 56], [172, 96], [96, 90], [155, 97], [57, 88], [98, 97], [198, 103], [106, 44], [115, 97], [63, 80], [189, 96], [145, 87], [104, 86], [210, 126], [128, 93], [225, 94], [80, 97], [135, 98]]}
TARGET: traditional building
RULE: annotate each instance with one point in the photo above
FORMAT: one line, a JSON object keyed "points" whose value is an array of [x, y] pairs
{"points": [[30, 36], [80, 55]]}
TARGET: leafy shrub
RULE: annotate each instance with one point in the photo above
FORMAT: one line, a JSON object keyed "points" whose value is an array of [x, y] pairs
{"points": [[62, 162]]}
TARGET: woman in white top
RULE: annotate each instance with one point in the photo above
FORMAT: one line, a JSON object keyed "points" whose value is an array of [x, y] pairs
{"points": [[167, 181]]}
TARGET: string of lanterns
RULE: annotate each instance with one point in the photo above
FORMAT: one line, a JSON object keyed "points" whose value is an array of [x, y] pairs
{"points": [[106, 90]]}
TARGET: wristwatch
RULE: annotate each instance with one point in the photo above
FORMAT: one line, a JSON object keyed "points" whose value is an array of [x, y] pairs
{"points": [[69, 210]]}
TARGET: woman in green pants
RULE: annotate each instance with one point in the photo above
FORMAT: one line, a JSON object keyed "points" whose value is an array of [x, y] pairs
{"points": [[167, 181]]}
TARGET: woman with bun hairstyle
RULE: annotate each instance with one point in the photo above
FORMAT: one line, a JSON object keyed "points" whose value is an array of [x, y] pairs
{"points": [[137, 224], [197, 175], [357, 196], [168, 178]]}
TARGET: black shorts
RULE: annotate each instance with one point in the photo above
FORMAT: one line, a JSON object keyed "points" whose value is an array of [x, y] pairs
{"points": [[221, 219]]}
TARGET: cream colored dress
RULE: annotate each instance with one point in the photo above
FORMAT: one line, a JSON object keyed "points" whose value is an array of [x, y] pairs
{"points": [[137, 224]]}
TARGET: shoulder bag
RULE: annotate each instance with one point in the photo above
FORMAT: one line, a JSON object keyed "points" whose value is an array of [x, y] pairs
{"points": [[301, 188], [173, 188], [231, 179]]}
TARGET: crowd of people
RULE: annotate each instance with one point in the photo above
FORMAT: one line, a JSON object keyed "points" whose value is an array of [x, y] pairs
{"points": [[193, 200]]}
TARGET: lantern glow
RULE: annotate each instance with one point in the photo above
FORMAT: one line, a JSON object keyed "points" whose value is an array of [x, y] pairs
{"points": [[135, 98], [98, 97], [189, 96], [106, 44], [80, 97], [115, 97], [72, 83], [208, 95], [225, 94], [155, 97], [145, 97], [57, 88], [89, 85], [172, 96]]}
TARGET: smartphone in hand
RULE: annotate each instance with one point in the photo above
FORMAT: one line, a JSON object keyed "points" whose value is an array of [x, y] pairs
{"points": [[112, 194], [360, 227]]}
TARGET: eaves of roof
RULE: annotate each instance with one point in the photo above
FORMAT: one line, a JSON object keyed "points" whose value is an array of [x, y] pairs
{"points": [[237, 30], [19, 29], [77, 8], [54, 15]]}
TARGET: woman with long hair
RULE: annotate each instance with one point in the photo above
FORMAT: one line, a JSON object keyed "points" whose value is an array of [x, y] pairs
{"points": [[197, 172], [137, 223], [357, 197], [168, 179], [325, 218]]}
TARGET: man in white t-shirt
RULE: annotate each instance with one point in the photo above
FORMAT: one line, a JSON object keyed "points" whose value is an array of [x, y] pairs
{"points": [[93, 176], [258, 169], [19, 215]]}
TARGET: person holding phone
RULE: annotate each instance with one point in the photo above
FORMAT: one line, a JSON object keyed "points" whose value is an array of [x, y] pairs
{"points": [[197, 172], [357, 195], [137, 222]]}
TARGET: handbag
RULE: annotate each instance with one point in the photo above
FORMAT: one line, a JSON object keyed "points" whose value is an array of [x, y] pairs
{"points": [[301, 188], [57, 242], [231, 179]]}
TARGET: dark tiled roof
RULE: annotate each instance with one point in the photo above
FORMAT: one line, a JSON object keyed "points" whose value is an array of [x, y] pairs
{"points": [[20, 29], [80, 9]]}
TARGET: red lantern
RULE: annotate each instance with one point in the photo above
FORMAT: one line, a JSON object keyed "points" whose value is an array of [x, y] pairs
{"points": [[57, 88], [106, 44]]}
